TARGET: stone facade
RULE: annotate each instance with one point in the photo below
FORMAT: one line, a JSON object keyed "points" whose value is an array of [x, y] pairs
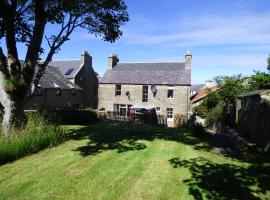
{"points": [[86, 78], [180, 102], [50, 100]]}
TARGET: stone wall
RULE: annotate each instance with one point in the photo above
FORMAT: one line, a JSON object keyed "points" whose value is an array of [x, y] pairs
{"points": [[88, 81], [253, 117], [180, 103], [50, 100]]}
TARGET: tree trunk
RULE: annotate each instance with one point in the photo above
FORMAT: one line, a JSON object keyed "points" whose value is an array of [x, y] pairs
{"points": [[13, 115]]}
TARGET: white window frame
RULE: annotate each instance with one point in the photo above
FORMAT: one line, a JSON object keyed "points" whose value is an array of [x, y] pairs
{"points": [[170, 113], [158, 109], [170, 89]]}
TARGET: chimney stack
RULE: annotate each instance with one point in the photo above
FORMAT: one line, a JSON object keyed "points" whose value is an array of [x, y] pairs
{"points": [[86, 59], [112, 60], [188, 58]]}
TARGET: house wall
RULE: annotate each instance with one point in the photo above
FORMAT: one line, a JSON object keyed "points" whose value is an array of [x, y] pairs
{"points": [[86, 78], [49, 99], [180, 103]]}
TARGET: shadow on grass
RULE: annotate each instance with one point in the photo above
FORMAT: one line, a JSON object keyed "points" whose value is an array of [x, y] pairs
{"points": [[125, 137], [211, 180]]}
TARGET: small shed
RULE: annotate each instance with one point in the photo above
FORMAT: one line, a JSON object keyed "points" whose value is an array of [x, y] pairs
{"points": [[253, 117]]}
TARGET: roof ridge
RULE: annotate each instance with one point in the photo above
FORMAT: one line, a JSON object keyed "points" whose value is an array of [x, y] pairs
{"points": [[152, 62], [67, 60]]}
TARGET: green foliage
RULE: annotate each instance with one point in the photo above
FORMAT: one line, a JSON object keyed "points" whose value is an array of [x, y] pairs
{"points": [[38, 134], [230, 88], [207, 105], [217, 114], [220, 105], [268, 63], [259, 80]]}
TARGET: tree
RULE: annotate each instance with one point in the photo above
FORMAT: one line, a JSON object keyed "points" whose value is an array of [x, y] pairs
{"points": [[268, 63], [25, 21]]}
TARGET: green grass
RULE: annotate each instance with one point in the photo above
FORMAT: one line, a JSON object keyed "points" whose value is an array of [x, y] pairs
{"points": [[128, 161], [39, 133]]}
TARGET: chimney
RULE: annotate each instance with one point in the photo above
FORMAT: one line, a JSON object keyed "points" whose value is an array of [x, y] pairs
{"points": [[209, 84], [188, 58], [112, 60], [86, 59]]}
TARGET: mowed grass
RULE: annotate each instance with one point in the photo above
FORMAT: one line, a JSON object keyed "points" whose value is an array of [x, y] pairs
{"points": [[129, 161]]}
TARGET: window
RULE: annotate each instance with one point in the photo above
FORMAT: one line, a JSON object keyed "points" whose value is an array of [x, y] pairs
{"points": [[157, 109], [169, 113], [145, 93], [69, 71], [117, 90], [170, 93], [123, 109]]}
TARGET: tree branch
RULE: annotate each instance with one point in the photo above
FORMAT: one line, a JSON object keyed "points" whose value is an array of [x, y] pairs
{"points": [[35, 42], [9, 24], [58, 41]]}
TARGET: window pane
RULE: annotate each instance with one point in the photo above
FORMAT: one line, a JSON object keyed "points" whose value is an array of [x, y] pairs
{"points": [[145, 93], [117, 90], [169, 113]]}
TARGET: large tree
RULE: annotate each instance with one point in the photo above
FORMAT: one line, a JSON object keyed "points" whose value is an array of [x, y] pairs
{"points": [[25, 21]]}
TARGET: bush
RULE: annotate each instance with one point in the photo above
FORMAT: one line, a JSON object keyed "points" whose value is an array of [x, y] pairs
{"points": [[217, 114], [197, 128], [82, 116], [38, 134]]}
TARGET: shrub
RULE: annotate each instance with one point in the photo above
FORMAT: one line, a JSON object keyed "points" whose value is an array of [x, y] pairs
{"points": [[197, 128], [82, 116], [38, 134]]}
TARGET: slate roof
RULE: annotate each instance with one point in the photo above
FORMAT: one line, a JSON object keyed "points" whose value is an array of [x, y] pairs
{"points": [[67, 66], [162, 73], [53, 77]]}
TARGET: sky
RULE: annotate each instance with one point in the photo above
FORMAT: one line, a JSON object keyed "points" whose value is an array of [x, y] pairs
{"points": [[225, 37]]}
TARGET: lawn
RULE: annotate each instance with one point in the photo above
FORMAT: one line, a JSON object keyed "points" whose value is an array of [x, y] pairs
{"points": [[128, 161]]}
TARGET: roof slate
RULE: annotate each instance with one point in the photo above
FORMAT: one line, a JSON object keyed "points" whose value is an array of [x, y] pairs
{"points": [[65, 65], [53, 76], [163, 73]]}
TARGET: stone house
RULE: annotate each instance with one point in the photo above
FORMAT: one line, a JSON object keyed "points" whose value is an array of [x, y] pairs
{"points": [[55, 92], [164, 86], [67, 84], [81, 73]]}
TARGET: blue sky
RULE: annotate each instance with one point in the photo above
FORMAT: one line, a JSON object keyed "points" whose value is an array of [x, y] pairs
{"points": [[225, 36]]}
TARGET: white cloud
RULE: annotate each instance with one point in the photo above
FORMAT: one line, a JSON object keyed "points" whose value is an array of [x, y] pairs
{"points": [[208, 30]]}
